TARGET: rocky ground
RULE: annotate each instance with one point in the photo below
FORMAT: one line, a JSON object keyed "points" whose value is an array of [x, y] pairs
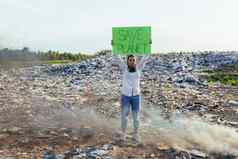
{"points": [[73, 110]]}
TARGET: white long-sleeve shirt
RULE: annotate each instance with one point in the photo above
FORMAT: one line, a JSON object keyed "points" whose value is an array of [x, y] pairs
{"points": [[131, 80]]}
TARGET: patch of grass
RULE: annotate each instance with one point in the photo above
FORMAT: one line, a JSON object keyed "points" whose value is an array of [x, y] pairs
{"points": [[208, 71], [58, 61], [225, 78], [227, 75]]}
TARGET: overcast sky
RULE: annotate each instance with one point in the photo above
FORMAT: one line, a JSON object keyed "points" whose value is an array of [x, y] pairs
{"points": [[85, 25]]}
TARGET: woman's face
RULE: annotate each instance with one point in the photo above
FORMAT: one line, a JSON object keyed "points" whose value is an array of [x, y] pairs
{"points": [[131, 62]]}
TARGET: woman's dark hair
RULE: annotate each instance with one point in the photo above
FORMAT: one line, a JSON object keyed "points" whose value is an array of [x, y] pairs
{"points": [[133, 69], [129, 56]]}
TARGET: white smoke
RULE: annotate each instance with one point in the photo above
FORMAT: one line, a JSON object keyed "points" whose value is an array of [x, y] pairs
{"points": [[179, 131], [192, 132]]}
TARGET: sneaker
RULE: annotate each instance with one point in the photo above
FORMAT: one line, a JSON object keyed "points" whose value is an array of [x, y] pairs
{"points": [[136, 137], [123, 136]]}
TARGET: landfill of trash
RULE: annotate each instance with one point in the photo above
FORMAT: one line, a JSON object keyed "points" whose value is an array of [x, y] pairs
{"points": [[67, 111]]}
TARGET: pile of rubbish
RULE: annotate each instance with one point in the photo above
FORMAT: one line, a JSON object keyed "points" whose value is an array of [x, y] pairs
{"points": [[105, 151], [52, 97], [77, 153], [177, 68]]}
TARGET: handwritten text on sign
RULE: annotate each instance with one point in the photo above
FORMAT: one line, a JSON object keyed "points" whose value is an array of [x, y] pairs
{"points": [[131, 40]]}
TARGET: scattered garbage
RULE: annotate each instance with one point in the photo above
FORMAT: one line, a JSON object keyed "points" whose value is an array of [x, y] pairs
{"points": [[84, 153], [46, 97]]}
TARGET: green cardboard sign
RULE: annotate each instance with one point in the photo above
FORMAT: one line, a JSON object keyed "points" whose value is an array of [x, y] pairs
{"points": [[131, 40]]}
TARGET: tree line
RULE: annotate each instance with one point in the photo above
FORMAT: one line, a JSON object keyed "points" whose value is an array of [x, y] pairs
{"points": [[25, 54]]}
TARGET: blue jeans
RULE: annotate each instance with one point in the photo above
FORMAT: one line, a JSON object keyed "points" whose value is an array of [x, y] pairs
{"points": [[128, 102]]}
